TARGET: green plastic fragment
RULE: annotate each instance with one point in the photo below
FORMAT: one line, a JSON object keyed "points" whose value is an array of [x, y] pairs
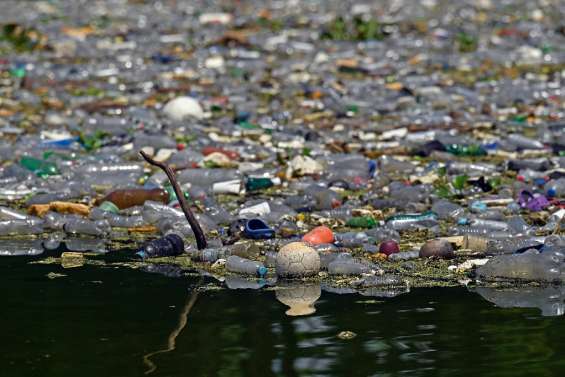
{"points": [[353, 108], [18, 72], [443, 191], [248, 126], [40, 167], [460, 181], [520, 118]]}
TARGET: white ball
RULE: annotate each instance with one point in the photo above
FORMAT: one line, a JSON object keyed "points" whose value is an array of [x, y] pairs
{"points": [[296, 260], [182, 107]]}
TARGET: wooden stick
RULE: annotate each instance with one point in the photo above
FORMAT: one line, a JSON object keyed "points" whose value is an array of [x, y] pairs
{"points": [[194, 225]]}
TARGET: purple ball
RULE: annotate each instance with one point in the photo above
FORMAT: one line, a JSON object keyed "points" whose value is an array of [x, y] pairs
{"points": [[389, 247]]}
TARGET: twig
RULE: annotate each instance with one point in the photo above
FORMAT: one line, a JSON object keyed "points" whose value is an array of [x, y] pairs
{"points": [[194, 225]]}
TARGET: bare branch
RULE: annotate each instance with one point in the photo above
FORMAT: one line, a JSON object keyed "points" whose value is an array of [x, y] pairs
{"points": [[194, 225]]}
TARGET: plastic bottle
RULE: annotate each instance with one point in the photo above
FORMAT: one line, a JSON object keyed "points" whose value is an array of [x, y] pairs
{"points": [[155, 211], [168, 246], [207, 177], [20, 227], [11, 214], [554, 220], [115, 174], [259, 183], [216, 212], [465, 150], [133, 197], [13, 248], [245, 266], [54, 220], [517, 224], [489, 224], [400, 222], [120, 221], [382, 234], [447, 210], [351, 239], [75, 225], [555, 188], [301, 203], [209, 255], [361, 222], [524, 142], [326, 199], [348, 267]]}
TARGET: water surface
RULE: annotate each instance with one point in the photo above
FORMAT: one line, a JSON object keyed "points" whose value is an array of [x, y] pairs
{"points": [[118, 322]]}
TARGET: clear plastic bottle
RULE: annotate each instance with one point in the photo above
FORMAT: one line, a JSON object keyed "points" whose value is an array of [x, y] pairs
{"points": [[555, 188], [245, 266], [11, 214], [20, 227], [207, 177], [13, 248], [348, 267], [75, 225], [209, 255]]}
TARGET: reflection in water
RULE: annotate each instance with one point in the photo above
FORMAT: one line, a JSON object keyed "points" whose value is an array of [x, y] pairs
{"points": [[238, 282], [550, 300], [299, 296], [172, 339]]}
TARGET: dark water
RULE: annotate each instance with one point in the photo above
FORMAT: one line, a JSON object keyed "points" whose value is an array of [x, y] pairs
{"points": [[101, 322]]}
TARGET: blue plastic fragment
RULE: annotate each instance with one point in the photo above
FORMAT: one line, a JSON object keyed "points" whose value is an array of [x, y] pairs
{"points": [[258, 229]]}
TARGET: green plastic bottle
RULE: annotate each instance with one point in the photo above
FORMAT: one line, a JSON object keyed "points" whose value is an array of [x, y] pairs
{"points": [[361, 222], [465, 150], [41, 168], [254, 184], [172, 195]]}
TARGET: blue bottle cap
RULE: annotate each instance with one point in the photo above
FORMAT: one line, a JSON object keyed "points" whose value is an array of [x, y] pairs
{"points": [[141, 253], [551, 192], [262, 271], [372, 167]]}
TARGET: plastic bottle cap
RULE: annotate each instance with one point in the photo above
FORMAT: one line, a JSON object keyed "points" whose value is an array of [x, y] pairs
{"points": [[109, 207], [262, 271], [141, 253]]}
